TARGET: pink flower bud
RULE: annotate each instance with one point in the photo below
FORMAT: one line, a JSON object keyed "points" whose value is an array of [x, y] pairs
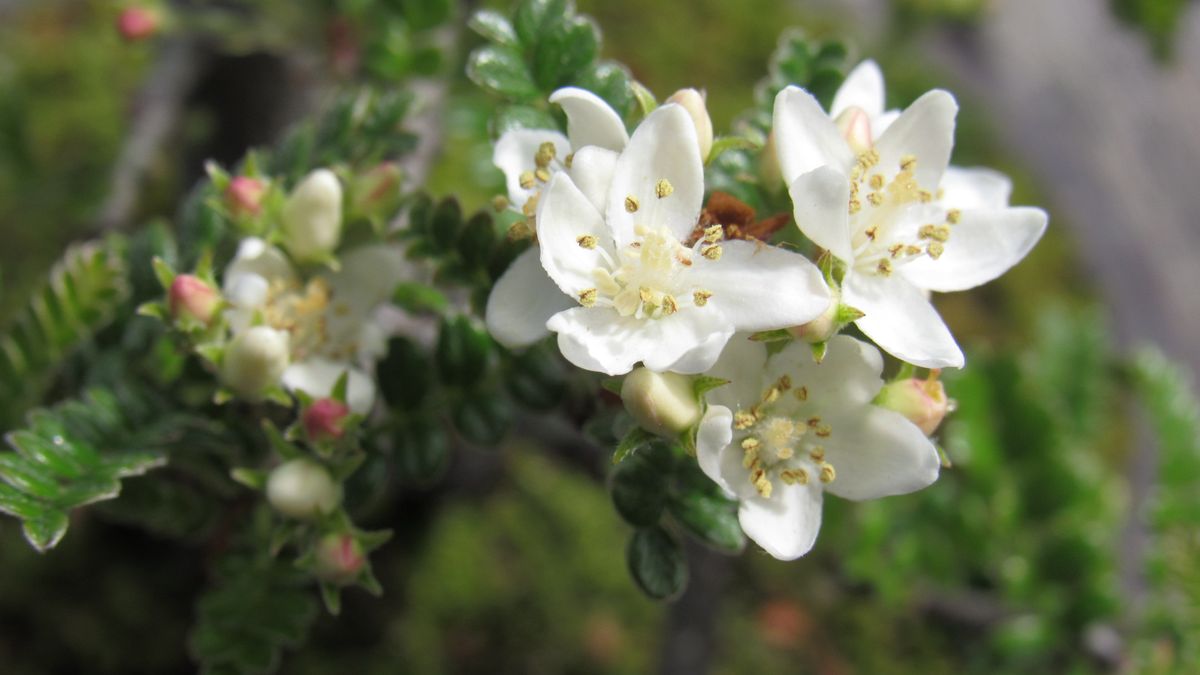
{"points": [[923, 402], [339, 559], [323, 419], [137, 23], [855, 125], [244, 195], [191, 297]]}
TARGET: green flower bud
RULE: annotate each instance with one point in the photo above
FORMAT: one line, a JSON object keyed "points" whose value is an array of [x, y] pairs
{"points": [[302, 489], [662, 403]]}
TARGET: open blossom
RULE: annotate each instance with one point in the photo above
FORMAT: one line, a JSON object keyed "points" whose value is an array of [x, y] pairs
{"points": [[874, 188], [643, 290], [529, 159], [328, 319], [787, 429]]}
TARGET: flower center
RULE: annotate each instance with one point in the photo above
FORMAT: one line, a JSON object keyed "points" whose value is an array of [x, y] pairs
{"points": [[878, 203], [780, 442], [305, 313]]}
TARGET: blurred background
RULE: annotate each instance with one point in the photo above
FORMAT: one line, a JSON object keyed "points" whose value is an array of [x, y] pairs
{"points": [[1063, 540]]}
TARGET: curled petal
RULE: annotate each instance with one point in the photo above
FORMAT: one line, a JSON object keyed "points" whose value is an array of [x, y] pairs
{"points": [[590, 121], [592, 172], [785, 525], [805, 137], [600, 339], [925, 130], [522, 301], [901, 320]]}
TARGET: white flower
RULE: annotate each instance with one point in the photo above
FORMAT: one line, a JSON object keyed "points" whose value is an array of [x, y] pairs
{"points": [[874, 188], [786, 429], [644, 292], [329, 319], [312, 216], [529, 159]]}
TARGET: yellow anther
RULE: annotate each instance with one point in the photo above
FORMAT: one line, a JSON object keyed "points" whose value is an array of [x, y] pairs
{"points": [[855, 206], [587, 297], [817, 453], [750, 460], [784, 383], [801, 393], [936, 232], [813, 421], [770, 396], [925, 196], [877, 182], [526, 180], [520, 230], [884, 267], [953, 216], [896, 250], [794, 476], [750, 444], [586, 241], [700, 298], [631, 204], [569, 160], [542, 174], [669, 305], [824, 430], [530, 206], [785, 453], [871, 232], [935, 250], [743, 420], [500, 202], [712, 252], [713, 234], [827, 473], [545, 154], [876, 198], [912, 250], [762, 483], [645, 295], [663, 188], [908, 162]]}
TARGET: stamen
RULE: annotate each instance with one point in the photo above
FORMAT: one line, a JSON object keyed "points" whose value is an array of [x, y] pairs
{"points": [[587, 297], [542, 174], [700, 298], [500, 202], [712, 252], [953, 216], [802, 393], [526, 180], [631, 204], [663, 188], [586, 241], [669, 305], [827, 473], [743, 420], [545, 154], [884, 267], [713, 234], [935, 250]]}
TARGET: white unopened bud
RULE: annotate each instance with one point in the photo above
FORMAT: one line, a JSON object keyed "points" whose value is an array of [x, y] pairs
{"points": [[923, 402], [821, 328], [693, 102], [254, 361], [302, 489], [312, 216], [662, 403], [855, 125]]}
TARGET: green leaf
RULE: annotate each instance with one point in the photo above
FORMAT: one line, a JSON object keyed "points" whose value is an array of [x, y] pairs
{"points": [[777, 335], [634, 440], [462, 351], [657, 563], [536, 378], [563, 50], [705, 513], [702, 384], [446, 224], [610, 81], [422, 452], [644, 97], [512, 117], [419, 298], [502, 71], [494, 26], [724, 143], [639, 490], [483, 418], [477, 240], [532, 17], [405, 376], [76, 454]]}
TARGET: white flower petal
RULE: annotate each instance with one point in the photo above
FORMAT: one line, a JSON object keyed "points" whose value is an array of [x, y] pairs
{"points": [[317, 377], [848, 376], [925, 130], [255, 256], [514, 155], [368, 275], [599, 339], [983, 245], [590, 121], [761, 287], [975, 188], [663, 148], [741, 363], [901, 320], [785, 525], [592, 172], [805, 137], [713, 437], [863, 88], [878, 453], [565, 215], [522, 301], [820, 200], [880, 125], [246, 290]]}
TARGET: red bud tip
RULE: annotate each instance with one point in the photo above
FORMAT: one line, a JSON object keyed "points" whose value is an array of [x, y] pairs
{"points": [[193, 298], [244, 195], [324, 419], [137, 23]]}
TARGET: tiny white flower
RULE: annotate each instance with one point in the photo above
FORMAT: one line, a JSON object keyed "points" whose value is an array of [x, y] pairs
{"points": [[644, 291], [874, 188], [529, 159], [330, 319], [787, 429]]}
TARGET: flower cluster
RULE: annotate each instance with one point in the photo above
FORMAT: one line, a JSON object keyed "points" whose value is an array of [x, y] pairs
{"points": [[629, 277]]}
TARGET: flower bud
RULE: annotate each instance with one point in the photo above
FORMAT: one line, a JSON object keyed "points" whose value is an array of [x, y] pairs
{"points": [[312, 216], [254, 361], [339, 558], [821, 328], [324, 419], [855, 125], [768, 165], [191, 297], [302, 489], [662, 403], [693, 102], [377, 191], [923, 402], [137, 23], [244, 195]]}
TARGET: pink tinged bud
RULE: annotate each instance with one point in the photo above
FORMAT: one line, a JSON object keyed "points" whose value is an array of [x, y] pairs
{"points": [[302, 489], [254, 361], [137, 23], [191, 297], [244, 195], [324, 419], [821, 328], [339, 559], [855, 125], [923, 402], [662, 403], [693, 102]]}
